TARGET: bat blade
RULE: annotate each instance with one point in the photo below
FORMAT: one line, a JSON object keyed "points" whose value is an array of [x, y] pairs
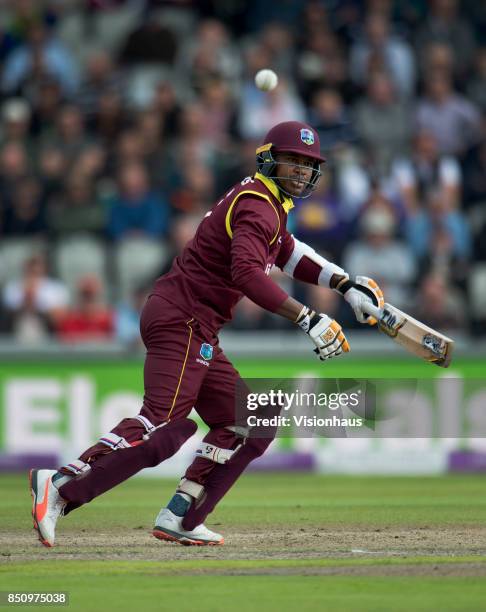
{"points": [[414, 336]]}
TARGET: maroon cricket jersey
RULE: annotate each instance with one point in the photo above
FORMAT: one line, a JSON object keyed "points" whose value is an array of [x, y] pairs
{"points": [[231, 255]]}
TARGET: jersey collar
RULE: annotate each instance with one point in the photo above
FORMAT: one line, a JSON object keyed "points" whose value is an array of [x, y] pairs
{"points": [[287, 203]]}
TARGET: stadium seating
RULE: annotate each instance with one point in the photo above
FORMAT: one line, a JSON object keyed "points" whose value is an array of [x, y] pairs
{"points": [[13, 254], [138, 261], [80, 255]]}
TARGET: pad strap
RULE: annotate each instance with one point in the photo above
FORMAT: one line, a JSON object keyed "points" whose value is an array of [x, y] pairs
{"points": [[77, 467], [190, 487], [114, 441], [214, 453], [149, 427]]}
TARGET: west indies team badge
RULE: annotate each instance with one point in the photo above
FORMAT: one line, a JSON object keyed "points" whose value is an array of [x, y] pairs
{"points": [[307, 136], [206, 351]]}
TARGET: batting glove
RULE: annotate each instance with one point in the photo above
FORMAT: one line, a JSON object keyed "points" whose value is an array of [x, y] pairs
{"points": [[325, 333], [359, 293]]}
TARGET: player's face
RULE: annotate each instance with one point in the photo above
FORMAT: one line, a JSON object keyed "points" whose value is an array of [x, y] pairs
{"points": [[294, 172]]}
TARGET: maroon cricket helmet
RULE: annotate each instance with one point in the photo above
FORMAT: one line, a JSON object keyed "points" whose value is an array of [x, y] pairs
{"points": [[290, 137], [294, 137]]}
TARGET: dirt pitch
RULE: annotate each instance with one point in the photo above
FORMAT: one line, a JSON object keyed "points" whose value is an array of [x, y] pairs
{"points": [[390, 548]]}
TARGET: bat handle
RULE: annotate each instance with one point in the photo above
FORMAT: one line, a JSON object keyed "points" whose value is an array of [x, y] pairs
{"points": [[373, 310]]}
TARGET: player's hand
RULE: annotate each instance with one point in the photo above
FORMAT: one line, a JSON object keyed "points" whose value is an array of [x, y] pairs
{"points": [[325, 333], [364, 291]]}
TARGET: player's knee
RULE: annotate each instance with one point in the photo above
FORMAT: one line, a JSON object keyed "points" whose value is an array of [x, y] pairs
{"points": [[167, 439], [257, 446]]}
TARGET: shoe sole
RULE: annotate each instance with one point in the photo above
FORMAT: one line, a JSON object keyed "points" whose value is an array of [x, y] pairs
{"points": [[171, 536], [32, 483]]}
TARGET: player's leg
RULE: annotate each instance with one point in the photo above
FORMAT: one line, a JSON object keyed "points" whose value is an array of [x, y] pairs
{"points": [[224, 454], [172, 377]]}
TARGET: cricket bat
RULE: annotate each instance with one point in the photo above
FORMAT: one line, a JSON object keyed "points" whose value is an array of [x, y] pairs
{"points": [[414, 336]]}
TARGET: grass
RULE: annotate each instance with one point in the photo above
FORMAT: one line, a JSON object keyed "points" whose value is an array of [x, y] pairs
{"points": [[202, 579], [148, 590], [290, 538]]}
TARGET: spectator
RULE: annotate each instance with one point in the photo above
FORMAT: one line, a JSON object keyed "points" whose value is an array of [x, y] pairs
{"points": [[440, 237], [383, 124], [195, 195], [380, 50], [320, 219], [34, 302], [46, 105], [353, 184], [165, 104], [378, 254], [277, 40], [438, 57], [183, 229], [452, 119], [150, 42], [259, 110], [439, 304], [89, 320], [15, 121], [108, 118], [322, 65], [129, 149], [329, 117], [476, 88], [219, 111], [192, 144], [149, 126], [101, 78], [475, 195], [136, 209], [475, 172], [52, 169], [14, 166], [91, 162], [41, 56], [76, 209], [208, 54], [70, 136], [445, 25], [426, 170], [127, 319], [25, 215]]}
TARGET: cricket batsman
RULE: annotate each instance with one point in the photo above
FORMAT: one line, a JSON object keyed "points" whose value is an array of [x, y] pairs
{"points": [[236, 245]]}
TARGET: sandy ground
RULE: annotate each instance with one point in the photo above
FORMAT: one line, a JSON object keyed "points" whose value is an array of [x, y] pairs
{"points": [[306, 544]]}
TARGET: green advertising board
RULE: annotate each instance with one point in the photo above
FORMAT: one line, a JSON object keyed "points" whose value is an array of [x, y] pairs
{"points": [[61, 407]]}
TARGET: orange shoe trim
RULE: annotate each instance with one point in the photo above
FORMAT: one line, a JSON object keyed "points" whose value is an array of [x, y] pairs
{"points": [[161, 535], [41, 509]]}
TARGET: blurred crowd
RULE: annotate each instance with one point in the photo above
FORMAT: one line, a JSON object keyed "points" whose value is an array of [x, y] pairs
{"points": [[122, 122]]}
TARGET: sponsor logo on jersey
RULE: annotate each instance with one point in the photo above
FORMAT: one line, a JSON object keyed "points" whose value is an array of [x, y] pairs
{"points": [[307, 136], [206, 351]]}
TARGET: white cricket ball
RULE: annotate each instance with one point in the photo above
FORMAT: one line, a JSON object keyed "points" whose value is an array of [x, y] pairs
{"points": [[266, 79]]}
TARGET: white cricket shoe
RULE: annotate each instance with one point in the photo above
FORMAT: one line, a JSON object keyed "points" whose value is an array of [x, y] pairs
{"points": [[47, 504], [168, 526]]}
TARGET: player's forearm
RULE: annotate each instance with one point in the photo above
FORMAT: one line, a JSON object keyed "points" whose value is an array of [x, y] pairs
{"points": [[262, 290], [290, 309]]}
